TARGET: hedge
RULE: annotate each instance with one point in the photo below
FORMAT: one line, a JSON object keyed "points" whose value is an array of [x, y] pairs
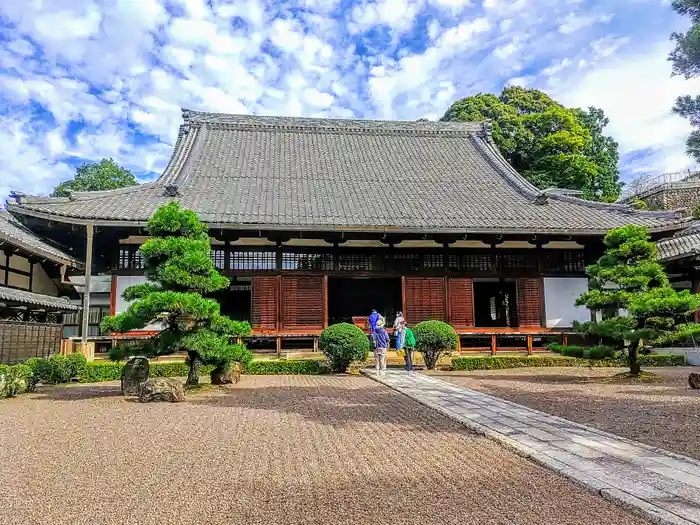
{"points": [[500, 362], [280, 366], [111, 371]]}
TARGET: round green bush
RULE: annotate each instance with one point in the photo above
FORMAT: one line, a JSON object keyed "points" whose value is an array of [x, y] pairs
{"points": [[433, 340], [61, 369], [78, 364], [41, 371], [572, 351], [600, 352], [14, 380], [343, 343]]}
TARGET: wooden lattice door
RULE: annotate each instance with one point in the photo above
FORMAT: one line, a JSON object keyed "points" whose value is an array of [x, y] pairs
{"points": [[460, 300], [265, 303], [303, 300], [530, 302], [424, 299]]}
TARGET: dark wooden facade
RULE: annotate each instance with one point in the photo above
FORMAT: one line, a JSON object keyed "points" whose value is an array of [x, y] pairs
{"points": [[289, 285]]}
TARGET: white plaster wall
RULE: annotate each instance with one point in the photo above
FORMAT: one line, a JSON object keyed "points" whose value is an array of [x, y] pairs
{"points": [[560, 294], [123, 282], [41, 282]]}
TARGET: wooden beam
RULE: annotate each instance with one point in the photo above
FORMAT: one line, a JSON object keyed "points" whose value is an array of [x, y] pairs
{"points": [[325, 306]]}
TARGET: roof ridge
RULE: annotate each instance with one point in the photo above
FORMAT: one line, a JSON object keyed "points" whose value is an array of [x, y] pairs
{"points": [[623, 208], [197, 118]]}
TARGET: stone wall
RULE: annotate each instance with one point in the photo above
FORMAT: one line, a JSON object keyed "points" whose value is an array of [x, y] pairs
{"points": [[673, 196]]}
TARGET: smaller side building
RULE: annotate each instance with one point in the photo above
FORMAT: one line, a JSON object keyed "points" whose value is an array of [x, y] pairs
{"points": [[34, 294]]}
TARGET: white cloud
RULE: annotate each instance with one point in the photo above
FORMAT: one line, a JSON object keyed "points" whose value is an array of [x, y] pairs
{"points": [[573, 23], [639, 111], [121, 69]]}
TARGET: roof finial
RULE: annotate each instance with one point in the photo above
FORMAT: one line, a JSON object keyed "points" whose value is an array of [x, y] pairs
{"points": [[171, 190], [541, 199]]}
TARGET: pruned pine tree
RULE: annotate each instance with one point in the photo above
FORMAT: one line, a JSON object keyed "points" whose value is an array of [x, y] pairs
{"points": [[180, 275], [635, 301]]}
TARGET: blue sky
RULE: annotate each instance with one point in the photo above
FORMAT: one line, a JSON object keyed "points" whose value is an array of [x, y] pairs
{"points": [[86, 79]]}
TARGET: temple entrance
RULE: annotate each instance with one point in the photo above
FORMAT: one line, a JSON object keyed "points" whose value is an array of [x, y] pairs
{"points": [[495, 303], [356, 297], [235, 300]]}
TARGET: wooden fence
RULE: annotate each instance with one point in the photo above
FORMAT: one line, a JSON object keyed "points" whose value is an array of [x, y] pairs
{"points": [[21, 340]]}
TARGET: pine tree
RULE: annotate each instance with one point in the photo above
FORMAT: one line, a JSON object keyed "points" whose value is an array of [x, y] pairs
{"points": [[181, 273], [632, 292]]}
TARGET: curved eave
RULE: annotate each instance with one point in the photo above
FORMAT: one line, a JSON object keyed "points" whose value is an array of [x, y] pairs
{"points": [[254, 227]]}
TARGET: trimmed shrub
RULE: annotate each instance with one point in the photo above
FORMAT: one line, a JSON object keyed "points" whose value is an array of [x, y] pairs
{"points": [[14, 380], [343, 343], [572, 351], [599, 352], [61, 369], [514, 361], [41, 371], [279, 366], [433, 340], [78, 364], [660, 360]]}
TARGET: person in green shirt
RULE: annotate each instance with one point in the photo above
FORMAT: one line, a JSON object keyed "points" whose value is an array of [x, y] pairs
{"points": [[409, 343]]}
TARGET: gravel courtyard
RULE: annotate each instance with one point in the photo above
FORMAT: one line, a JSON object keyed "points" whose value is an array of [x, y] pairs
{"points": [[277, 449], [665, 414]]}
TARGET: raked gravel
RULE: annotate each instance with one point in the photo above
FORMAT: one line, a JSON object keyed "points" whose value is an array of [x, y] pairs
{"points": [[664, 414], [277, 449]]}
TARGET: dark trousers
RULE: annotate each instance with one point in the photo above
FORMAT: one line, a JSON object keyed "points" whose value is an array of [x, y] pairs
{"points": [[408, 358]]}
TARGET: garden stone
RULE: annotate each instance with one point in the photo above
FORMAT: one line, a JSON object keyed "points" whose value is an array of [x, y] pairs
{"points": [[134, 373], [161, 389], [694, 381], [227, 377]]}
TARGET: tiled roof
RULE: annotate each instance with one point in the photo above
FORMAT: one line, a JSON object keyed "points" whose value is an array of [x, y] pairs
{"points": [[323, 174], [31, 298], [684, 244], [14, 233]]}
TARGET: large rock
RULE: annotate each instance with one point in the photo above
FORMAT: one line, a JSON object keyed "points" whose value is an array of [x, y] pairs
{"points": [[224, 378], [162, 389], [134, 373], [694, 381]]}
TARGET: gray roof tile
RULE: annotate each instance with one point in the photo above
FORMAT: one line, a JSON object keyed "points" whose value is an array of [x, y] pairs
{"points": [[686, 245], [295, 173], [14, 233], [31, 298]]}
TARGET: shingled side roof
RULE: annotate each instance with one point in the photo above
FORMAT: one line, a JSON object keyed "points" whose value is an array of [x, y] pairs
{"points": [[12, 232], [36, 299], [283, 173]]}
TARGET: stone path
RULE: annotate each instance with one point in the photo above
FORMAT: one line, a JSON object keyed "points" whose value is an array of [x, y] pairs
{"points": [[662, 486]]}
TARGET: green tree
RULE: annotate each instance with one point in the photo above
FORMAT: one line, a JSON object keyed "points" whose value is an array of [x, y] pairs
{"points": [[631, 291], [550, 145], [180, 273], [96, 176], [685, 60]]}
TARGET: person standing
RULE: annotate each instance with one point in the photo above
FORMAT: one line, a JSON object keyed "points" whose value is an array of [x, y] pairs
{"points": [[373, 318], [381, 346], [399, 329], [410, 345]]}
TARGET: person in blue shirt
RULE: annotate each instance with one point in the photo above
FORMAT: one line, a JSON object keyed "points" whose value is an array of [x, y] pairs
{"points": [[381, 346], [373, 318]]}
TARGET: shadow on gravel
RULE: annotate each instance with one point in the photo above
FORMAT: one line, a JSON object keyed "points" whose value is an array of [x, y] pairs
{"points": [[335, 406], [77, 392]]}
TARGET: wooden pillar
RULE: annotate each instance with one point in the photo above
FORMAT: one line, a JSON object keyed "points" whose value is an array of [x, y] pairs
{"points": [[279, 303], [565, 340], [85, 317], [278, 345], [315, 343], [325, 305], [695, 285], [227, 255], [403, 294], [448, 302], [493, 344], [529, 345], [113, 296]]}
